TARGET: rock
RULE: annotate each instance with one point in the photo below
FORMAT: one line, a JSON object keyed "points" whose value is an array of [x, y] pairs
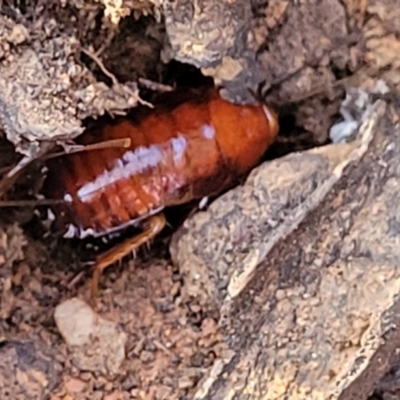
{"points": [[44, 93], [75, 385], [302, 262], [216, 36], [96, 344]]}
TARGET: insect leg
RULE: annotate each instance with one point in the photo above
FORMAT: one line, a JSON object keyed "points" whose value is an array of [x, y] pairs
{"points": [[155, 225]]}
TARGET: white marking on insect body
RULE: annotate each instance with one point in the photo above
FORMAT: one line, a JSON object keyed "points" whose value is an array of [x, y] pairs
{"points": [[71, 232], [179, 145], [208, 131], [68, 198], [133, 162], [203, 203]]}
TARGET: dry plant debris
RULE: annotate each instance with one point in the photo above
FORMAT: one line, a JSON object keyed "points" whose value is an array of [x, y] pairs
{"points": [[115, 10], [44, 93]]}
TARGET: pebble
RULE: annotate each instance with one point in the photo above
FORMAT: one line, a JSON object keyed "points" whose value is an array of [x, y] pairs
{"points": [[74, 385], [117, 395], [96, 344]]}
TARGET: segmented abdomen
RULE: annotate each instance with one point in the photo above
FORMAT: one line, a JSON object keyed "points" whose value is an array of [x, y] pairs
{"points": [[174, 157]]}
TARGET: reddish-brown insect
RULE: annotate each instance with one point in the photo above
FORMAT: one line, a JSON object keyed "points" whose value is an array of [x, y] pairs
{"points": [[194, 150]]}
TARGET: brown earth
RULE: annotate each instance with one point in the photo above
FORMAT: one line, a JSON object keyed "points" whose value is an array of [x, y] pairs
{"points": [[299, 322]]}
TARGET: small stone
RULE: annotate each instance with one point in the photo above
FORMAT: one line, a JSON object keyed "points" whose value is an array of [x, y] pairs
{"points": [[117, 395], [18, 35], [175, 289], [96, 344], [74, 385], [22, 271], [209, 327], [100, 383], [146, 356], [130, 382], [86, 376], [186, 383], [195, 308], [134, 393]]}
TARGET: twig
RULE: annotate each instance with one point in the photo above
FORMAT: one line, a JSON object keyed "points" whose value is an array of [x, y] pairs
{"points": [[75, 280], [114, 80], [12, 175], [155, 86], [163, 348], [106, 43], [100, 64]]}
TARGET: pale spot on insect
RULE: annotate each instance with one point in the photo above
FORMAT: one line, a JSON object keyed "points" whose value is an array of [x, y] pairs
{"points": [[71, 232], [74, 231], [203, 203], [141, 158], [179, 145], [208, 131], [68, 198]]}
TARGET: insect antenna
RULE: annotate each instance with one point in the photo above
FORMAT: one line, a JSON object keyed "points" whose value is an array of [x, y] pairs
{"points": [[154, 86], [11, 174], [73, 149]]}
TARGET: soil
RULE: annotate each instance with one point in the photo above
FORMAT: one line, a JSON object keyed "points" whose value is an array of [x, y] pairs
{"points": [[307, 54]]}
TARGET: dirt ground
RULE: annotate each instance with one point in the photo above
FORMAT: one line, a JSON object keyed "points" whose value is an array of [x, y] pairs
{"points": [[148, 342]]}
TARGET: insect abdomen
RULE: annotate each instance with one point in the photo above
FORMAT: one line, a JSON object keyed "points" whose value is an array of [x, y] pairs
{"points": [[193, 151]]}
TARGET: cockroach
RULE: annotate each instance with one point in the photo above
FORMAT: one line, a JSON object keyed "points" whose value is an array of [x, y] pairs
{"points": [[174, 155]]}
